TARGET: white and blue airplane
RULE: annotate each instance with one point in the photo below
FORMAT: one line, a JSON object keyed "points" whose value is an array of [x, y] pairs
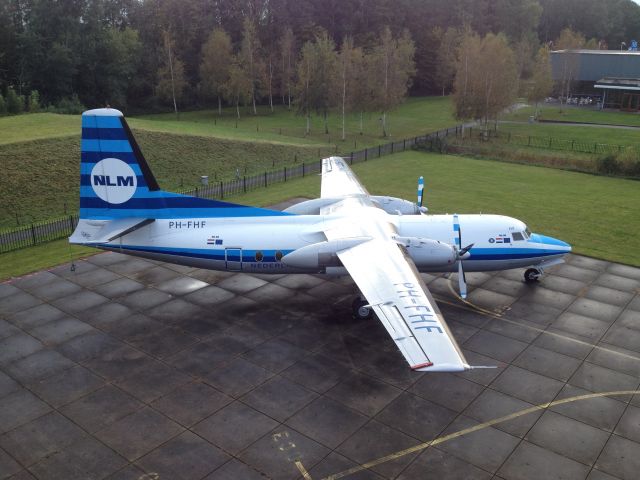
{"points": [[381, 242]]}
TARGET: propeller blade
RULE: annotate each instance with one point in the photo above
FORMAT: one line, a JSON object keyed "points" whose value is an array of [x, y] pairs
{"points": [[465, 250], [462, 281], [420, 190], [457, 234]]}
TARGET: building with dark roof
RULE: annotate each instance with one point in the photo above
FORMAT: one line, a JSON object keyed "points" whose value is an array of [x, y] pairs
{"points": [[610, 76]]}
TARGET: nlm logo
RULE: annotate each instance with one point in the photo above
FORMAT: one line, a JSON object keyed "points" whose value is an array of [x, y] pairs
{"points": [[121, 181], [113, 181]]}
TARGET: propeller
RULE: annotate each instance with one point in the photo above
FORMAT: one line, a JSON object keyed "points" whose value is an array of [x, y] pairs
{"points": [[462, 253], [421, 209]]}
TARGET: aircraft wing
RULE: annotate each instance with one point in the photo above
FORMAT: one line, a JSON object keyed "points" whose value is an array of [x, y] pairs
{"points": [[387, 277], [338, 180]]}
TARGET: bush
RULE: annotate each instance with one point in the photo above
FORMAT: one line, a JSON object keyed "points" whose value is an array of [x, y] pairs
{"points": [[608, 165], [34, 101], [3, 105], [15, 102], [68, 105]]}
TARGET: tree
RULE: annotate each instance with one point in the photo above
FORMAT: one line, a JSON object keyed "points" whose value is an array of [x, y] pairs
{"points": [[316, 70], [15, 102], [393, 67], [250, 60], [569, 60], [542, 80], [486, 77], [349, 61], [238, 87], [34, 102], [217, 55], [287, 69], [446, 57], [3, 105], [171, 77]]}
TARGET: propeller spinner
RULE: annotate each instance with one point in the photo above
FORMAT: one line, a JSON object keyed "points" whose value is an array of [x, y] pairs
{"points": [[462, 254]]}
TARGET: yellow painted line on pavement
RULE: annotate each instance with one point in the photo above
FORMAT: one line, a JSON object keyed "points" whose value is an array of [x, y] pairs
{"points": [[466, 431]]}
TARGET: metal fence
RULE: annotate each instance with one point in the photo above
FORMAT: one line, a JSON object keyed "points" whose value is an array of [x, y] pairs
{"points": [[551, 143], [55, 229]]}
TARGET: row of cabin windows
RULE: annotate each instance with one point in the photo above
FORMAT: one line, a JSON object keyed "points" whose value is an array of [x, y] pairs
{"points": [[259, 256]]}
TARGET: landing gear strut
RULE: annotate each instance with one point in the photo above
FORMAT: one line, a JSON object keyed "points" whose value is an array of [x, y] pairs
{"points": [[532, 275], [360, 309]]}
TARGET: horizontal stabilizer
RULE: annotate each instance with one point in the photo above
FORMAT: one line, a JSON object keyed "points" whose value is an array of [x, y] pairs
{"points": [[103, 231]]}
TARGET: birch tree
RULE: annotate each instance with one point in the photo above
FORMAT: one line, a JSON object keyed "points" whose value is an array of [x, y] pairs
{"points": [[542, 80], [486, 77], [287, 42], [249, 58], [348, 62], [171, 77], [393, 67], [238, 88], [217, 55]]}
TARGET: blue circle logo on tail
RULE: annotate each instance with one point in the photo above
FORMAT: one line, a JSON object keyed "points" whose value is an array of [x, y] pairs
{"points": [[113, 180]]}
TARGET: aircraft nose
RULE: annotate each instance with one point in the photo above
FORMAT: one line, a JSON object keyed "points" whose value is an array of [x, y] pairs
{"points": [[552, 242]]}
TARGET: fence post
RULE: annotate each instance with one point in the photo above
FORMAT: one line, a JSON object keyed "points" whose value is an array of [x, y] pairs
{"points": [[303, 169], [244, 184], [285, 174], [196, 191], [221, 190], [33, 234], [265, 178], [391, 147], [365, 154], [379, 150], [595, 148], [404, 144], [351, 158], [572, 142]]}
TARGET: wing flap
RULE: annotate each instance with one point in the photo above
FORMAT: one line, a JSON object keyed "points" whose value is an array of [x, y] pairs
{"points": [[394, 289]]}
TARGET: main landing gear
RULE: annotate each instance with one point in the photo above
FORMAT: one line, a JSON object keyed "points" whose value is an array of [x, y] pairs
{"points": [[361, 309], [532, 275]]}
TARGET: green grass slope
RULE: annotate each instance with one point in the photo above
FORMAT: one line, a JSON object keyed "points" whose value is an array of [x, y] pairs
{"points": [[36, 126], [578, 114], [40, 178]]}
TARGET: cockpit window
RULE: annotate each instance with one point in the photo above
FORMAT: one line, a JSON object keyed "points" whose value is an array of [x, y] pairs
{"points": [[517, 236], [527, 233]]}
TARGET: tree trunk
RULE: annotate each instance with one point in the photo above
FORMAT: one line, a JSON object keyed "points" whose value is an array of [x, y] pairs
{"points": [[219, 106], [308, 124], [344, 99], [173, 89], [238, 108], [270, 83], [361, 114], [255, 112], [384, 124], [326, 125]]}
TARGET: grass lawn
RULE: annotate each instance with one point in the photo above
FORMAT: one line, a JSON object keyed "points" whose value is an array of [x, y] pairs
{"points": [[582, 133], [597, 215], [47, 255], [414, 117], [36, 126], [577, 114]]}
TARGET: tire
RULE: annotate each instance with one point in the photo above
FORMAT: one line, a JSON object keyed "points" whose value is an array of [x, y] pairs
{"points": [[360, 311], [531, 275]]}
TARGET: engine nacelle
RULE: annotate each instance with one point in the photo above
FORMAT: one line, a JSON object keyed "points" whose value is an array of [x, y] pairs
{"points": [[391, 205], [429, 253], [321, 254], [396, 206]]}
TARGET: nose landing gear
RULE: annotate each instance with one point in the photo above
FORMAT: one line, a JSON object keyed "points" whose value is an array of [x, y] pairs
{"points": [[532, 275]]}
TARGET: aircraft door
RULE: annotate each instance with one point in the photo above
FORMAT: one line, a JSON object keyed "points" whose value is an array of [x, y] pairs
{"points": [[233, 258]]}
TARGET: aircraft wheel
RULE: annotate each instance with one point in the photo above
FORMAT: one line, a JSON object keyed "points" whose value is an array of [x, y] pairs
{"points": [[360, 309], [532, 275]]}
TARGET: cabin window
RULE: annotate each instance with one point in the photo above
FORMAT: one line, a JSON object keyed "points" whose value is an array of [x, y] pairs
{"points": [[259, 256], [517, 236], [278, 255]]}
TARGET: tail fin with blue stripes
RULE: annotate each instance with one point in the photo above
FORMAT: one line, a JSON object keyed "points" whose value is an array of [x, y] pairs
{"points": [[116, 181]]}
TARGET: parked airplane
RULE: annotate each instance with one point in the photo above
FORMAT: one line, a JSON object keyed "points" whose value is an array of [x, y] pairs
{"points": [[382, 242]]}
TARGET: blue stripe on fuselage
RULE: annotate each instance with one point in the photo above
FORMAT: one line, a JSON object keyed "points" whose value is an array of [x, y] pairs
{"points": [[269, 256], [511, 253]]}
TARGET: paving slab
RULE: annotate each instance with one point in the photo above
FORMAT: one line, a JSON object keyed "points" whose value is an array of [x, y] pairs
{"points": [[128, 369]]}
